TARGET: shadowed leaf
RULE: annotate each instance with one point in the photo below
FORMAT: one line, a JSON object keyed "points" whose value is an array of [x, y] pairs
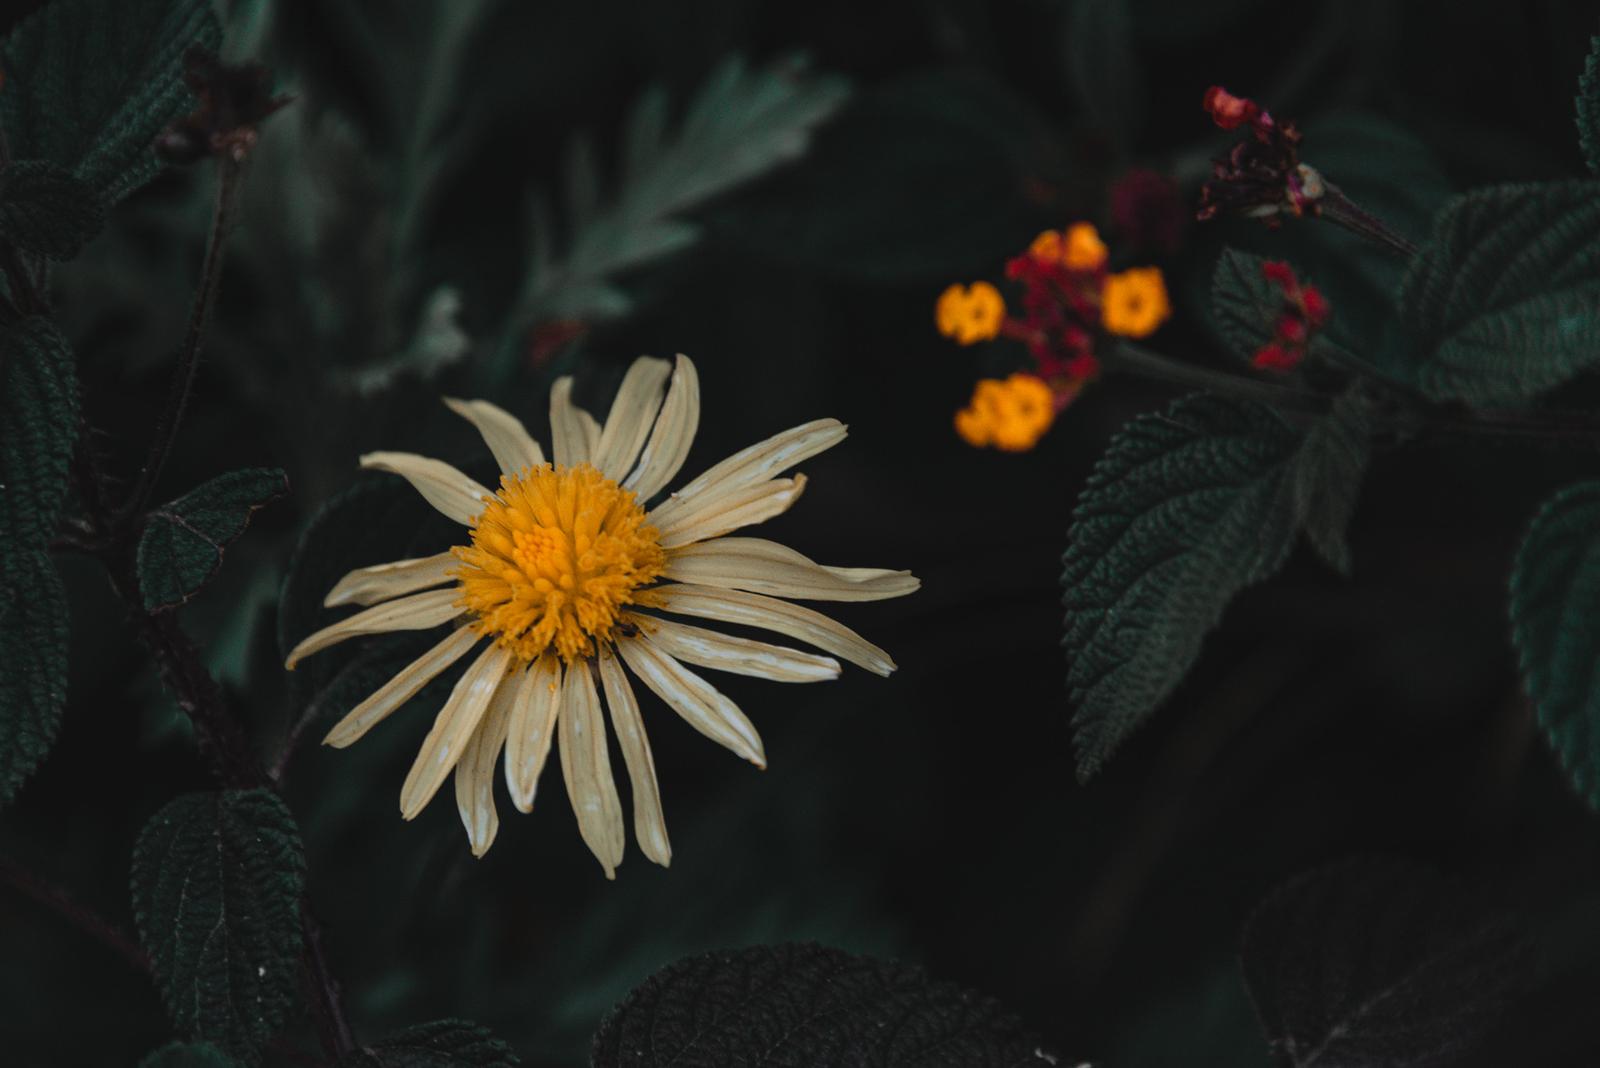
{"points": [[1589, 107], [444, 1044], [33, 663], [807, 1005], [90, 83], [1555, 620], [38, 429], [188, 1055], [1325, 478], [1378, 963], [183, 541], [217, 880], [44, 211]]}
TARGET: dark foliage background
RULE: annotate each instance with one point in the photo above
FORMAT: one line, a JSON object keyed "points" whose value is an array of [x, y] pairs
{"points": [[932, 817]]}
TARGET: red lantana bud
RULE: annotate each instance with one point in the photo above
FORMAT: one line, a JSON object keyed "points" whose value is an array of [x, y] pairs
{"points": [[1274, 357], [1315, 303], [1228, 111], [1082, 366], [1291, 329], [1279, 274]]}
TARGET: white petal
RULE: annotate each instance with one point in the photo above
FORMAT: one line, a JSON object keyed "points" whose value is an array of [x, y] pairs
{"points": [[586, 765], [762, 566], [769, 613], [420, 611], [400, 689], [693, 698], [632, 414], [533, 725], [674, 431], [649, 823], [573, 431], [724, 652], [452, 729], [513, 447], [369, 585], [757, 463], [453, 493], [711, 516], [475, 773]]}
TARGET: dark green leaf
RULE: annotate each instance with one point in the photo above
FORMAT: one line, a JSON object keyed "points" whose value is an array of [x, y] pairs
{"points": [[183, 541], [1185, 509], [1555, 619], [1105, 69], [90, 83], [805, 1005], [1325, 478], [1589, 107], [188, 1055], [1504, 302], [445, 1044], [38, 429], [44, 211], [217, 880], [1377, 962], [33, 662]]}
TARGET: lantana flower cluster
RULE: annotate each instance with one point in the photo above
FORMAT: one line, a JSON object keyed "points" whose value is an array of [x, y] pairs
{"points": [[1069, 302], [1304, 312]]}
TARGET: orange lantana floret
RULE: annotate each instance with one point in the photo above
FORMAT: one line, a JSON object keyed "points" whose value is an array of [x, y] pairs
{"points": [[1010, 414], [970, 313], [1134, 302]]}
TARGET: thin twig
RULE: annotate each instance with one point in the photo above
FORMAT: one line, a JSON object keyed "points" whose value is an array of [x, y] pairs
{"points": [[79, 915], [1337, 208], [337, 1037], [189, 355]]}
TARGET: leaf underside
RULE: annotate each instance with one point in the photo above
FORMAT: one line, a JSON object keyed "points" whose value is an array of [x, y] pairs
{"points": [[182, 544], [444, 1044]]}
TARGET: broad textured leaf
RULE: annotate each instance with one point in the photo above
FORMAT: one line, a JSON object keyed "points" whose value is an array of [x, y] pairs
{"points": [[182, 543], [90, 83], [33, 662], [188, 1055], [1185, 509], [1378, 963], [1555, 619], [444, 1044], [38, 429], [1589, 107], [1325, 478], [45, 211], [217, 880], [807, 1006], [1504, 302]]}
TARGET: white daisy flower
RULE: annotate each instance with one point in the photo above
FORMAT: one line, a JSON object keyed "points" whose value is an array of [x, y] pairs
{"points": [[566, 578]]}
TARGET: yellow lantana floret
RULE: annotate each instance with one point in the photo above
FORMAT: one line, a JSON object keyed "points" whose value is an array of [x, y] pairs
{"points": [[1134, 303], [1083, 250], [970, 313], [1010, 414], [556, 554]]}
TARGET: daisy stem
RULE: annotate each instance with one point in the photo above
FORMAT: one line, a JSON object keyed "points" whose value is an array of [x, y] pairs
{"points": [[182, 386]]}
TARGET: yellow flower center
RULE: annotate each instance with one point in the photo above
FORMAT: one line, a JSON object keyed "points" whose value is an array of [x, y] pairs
{"points": [[555, 556]]}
